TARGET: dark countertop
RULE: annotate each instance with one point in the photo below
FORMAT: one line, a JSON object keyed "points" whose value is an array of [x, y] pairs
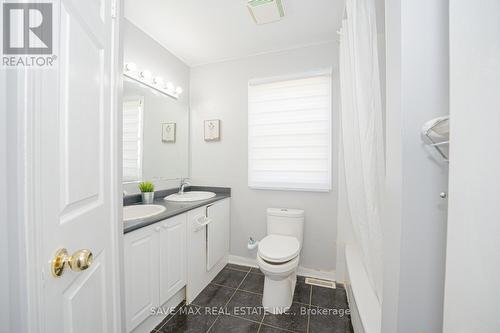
{"points": [[173, 208]]}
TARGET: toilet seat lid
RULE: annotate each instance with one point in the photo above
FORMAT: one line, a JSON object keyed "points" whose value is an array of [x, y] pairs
{"points": [[278, 248]]}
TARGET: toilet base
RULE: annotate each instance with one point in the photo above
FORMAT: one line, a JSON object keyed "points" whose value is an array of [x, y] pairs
{"points": [[278, 293]]}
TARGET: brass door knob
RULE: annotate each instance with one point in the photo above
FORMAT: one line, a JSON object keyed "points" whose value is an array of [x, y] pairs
{"points": [[79, 261]]}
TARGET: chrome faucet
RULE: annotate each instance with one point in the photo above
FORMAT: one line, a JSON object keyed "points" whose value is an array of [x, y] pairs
{"points": [[184, 183]]}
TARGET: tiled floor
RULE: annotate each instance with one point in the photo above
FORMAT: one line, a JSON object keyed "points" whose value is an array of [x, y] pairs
{"points": [[233, 303]]}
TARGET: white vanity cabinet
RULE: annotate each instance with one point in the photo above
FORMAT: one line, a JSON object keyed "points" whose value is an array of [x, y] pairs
{"points": [[155, 267], [187, 250], [208, 245]]}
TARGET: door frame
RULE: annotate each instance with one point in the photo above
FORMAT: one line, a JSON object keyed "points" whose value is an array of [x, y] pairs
{"points": [[26, 280]]}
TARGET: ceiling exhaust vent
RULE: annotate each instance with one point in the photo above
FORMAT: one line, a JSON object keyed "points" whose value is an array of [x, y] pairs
{"points": [[265, 11]]}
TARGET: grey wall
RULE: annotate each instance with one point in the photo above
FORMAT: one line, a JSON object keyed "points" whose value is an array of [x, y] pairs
{"points": [[415, 228], [219, 91], [146, 53], [391, 228]]}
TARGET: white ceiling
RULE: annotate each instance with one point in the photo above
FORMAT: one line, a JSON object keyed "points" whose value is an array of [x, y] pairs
{"points": [[200, 31]]}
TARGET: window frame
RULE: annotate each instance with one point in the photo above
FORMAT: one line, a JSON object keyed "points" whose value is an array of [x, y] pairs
{"points": [[140, 100]]}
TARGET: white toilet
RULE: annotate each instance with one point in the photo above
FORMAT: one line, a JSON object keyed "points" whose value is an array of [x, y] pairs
{"points": [[278, 257]]}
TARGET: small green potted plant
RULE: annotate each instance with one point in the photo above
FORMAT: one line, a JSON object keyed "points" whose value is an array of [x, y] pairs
{"points": [[147, 191]]}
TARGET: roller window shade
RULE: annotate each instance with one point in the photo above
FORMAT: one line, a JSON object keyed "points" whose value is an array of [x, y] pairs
{"points": [[132, 139], [289, 133]]}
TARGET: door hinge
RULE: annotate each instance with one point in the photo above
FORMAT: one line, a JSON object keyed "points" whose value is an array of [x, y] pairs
{"points": [[113, 8]]}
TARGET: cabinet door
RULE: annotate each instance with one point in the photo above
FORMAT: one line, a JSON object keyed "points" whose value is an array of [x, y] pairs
{"points": [[197, 274], [141, 274], [172, 256], [217, 232]]}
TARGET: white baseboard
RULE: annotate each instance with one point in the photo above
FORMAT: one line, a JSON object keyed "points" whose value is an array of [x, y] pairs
{"points": [[237, 260], [307, 272], [316, 273]]}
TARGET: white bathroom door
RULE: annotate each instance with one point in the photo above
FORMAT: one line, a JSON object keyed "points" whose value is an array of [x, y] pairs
{"points": [[472, 291], [76, 198]]}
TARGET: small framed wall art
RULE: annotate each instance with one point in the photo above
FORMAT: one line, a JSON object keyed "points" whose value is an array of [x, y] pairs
{"points": [[168, 132], [212, 130]]}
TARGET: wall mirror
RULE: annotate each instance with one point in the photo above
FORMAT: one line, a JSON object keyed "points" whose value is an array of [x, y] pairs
{"points": [[155, 135]]}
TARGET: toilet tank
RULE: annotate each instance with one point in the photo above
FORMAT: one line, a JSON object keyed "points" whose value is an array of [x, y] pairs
{"points": [[287, 222]]}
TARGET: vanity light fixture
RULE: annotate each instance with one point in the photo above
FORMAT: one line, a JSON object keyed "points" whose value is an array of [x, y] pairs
{"points": [[169, 86], [130, 67], [155, 82], [145, 75], [158, 81]]}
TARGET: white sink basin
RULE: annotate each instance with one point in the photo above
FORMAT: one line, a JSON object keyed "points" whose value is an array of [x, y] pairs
{"points": [[137, 212], [190, 196]]}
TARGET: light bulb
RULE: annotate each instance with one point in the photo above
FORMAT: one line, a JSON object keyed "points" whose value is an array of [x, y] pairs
{"points": [[169, 86], [178, 90], [146, 75], [158, 80], [130, 67]]}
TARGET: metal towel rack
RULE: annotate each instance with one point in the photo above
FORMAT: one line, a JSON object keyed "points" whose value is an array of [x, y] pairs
{"points": [[436, 133]]}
